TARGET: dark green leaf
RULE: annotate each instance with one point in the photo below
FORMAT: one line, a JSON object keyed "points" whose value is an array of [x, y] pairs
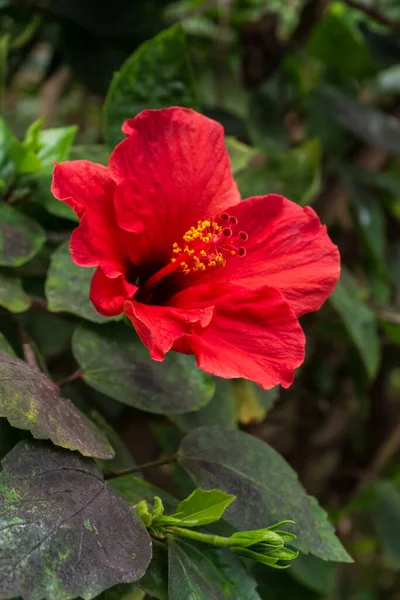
{"points": [[266, 120], [123, 459], [384, 46], [20, 237], [367, 123], [339, 46], [12, 295], [116, 363], [123, 591], [157, 75], [5, 346], [278, 585], [63, 532], [94, 152], [6, 140], [202, 507], [368, 213], [31, 401], [359, 320], [220, 409], [384, 512], [205, 573], [314, 573], [294, 174], [51, 333], [67, 287], [134, 490], [266, 487], [169, 438], [42, 195], [155, 581]]}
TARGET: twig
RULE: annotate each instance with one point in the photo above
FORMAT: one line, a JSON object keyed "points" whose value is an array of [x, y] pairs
{"points": [[76, 375], [27, 348], [373, 13], [381, 459], [157, 463], [388, 315]]}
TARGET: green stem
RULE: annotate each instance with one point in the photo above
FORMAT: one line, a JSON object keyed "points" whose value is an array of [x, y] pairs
{"points": [[207, 538], [157, 463]]}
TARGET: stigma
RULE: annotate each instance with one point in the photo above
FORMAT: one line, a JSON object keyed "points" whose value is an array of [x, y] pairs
{"points": [[209, 244]]}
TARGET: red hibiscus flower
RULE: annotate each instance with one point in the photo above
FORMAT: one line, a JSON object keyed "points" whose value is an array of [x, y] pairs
{"points": [[194, 268]]}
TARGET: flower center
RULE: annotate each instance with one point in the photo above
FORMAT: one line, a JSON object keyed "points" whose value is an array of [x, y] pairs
{"points": [[208, 245]]}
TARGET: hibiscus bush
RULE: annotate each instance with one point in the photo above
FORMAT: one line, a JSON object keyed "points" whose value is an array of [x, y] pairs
{"points": [[199, 300]]}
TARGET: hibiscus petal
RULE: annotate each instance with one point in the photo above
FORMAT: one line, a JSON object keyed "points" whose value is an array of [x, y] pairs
{"points": [[254, 335], [172, 170], [287, 248], [88, 188], [109, 294], [160, 326]]}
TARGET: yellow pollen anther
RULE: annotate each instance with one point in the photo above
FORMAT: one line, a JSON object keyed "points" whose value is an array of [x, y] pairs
{"points": [[204, 246]]}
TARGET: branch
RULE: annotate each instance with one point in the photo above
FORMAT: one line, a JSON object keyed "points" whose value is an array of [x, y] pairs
{"points": [[373, 13], [157, 463]]}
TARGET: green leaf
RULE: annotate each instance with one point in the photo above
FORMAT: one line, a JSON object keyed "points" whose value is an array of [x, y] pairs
{"points": [[365, 122], [278, 585], [266, 119], [314, 573], [155, 581], [31, 139], [296, 174], [359, 320], [158, 74], [220, 409], [55, 144], [123, 458], [368, 214], [20, 237], [240, 154], [115, 362], [51, 333], [12, 295], [205, 573], [123, 591], [97, 153], [202, 507], [67, 287], [6, 141], [266, 487], [24, 159], [134, 490], [42, 195], [340, 46], [5, 347], [252, 402], [384, 513], [31, 401], [56, 513]]}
